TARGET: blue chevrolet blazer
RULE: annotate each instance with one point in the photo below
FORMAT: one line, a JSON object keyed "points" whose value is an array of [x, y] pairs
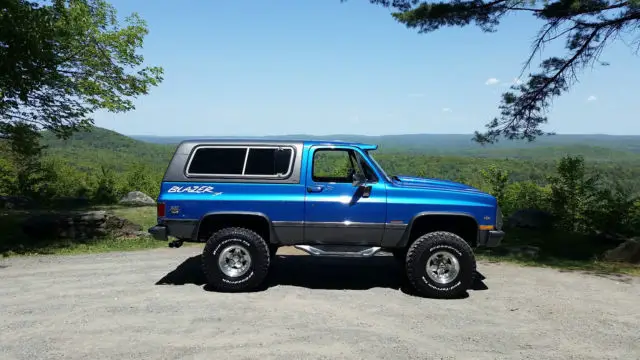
{"points": [[246, 198]]}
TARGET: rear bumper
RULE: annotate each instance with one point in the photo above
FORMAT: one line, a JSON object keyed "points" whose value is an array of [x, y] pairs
{"points": [[159, 232], [490, 238], [181, 229]]}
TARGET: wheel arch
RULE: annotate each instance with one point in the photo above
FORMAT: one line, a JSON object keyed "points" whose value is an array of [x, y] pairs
{"points": [[216, 220], [463, 224]]}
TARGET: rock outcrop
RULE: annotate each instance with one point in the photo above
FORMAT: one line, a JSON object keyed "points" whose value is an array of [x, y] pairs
{"points": [[79, 226], [628, 252]]}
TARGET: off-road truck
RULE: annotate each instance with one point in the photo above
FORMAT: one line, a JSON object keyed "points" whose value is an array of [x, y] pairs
{"points": [[246, 198]]}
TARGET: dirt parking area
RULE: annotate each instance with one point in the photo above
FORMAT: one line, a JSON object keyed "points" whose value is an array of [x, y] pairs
{"points": [[153, 305]]}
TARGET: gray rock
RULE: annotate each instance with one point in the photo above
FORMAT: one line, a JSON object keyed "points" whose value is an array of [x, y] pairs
{"points": [[137, 198], [628, 251], [531, 219]]}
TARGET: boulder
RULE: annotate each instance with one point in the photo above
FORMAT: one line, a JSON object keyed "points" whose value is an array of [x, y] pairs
{"points": [[137, 198], [531, 219], [78, 226], [628, 251]]}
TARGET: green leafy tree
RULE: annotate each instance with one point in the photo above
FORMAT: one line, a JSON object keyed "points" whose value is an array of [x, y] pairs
{"points": [[108, 189], [141, 178], [587, 27], [25, 172], [60, 62], [573, 193], [497, 179], [525, 195]]}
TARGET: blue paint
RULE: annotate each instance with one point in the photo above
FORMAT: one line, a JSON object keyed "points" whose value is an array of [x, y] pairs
{"points": [[393, 200]]}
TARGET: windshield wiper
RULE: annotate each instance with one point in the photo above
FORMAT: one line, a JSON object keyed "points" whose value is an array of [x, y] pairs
{"points": [[396, 178]]}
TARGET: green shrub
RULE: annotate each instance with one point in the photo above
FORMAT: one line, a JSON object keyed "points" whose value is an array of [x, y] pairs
{"points": [[525, 195]]}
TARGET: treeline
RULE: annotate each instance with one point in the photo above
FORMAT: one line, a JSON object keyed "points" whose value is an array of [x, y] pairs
{"points": [[583, 198]]}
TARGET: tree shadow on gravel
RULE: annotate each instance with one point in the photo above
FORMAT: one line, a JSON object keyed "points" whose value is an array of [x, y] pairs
{"points": [[317, 273]]}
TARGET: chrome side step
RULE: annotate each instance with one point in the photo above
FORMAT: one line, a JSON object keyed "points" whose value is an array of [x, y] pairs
{"points": [[339, 251]]}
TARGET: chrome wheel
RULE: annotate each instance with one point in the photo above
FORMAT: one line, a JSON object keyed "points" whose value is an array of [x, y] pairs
{"points": [[442, 267], [234, 261]]}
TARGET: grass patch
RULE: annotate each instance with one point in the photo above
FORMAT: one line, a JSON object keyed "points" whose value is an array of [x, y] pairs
{"points": [[85, 247], [145, 215]]}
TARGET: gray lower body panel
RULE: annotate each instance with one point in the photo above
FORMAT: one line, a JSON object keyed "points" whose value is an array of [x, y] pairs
{"points": [[490, 238], [298, 232]]}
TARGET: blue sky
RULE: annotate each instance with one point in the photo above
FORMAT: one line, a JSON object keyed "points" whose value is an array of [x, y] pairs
{"points": [[324, 67]]}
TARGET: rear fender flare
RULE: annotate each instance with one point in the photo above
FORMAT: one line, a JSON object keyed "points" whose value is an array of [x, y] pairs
{"points": [[272, 234]]}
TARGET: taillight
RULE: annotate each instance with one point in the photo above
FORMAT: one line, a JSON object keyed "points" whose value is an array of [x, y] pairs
{"points": [[160, 209]]}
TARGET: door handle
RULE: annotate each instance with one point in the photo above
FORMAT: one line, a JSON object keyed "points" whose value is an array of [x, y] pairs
{"points": [[313, 189]]}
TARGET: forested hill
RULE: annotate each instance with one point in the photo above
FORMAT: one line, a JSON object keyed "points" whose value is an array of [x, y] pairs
{"points": [[155, 150], [105, 147], [594, 147], [615, 159]]}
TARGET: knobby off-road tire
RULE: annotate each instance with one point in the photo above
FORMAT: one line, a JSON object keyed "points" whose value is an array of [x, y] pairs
{"points": [[438, 246], [236, 243]]}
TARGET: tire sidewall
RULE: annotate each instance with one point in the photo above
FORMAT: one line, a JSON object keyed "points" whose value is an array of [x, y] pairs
{"points": [[432, 245], [215, 248]]}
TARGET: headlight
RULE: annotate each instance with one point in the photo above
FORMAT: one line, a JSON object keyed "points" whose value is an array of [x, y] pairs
{"points": [[498, 218]]}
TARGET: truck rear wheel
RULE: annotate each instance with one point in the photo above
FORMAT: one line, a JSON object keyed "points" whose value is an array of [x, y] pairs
{"points": [[235, 259], [440, 264]]}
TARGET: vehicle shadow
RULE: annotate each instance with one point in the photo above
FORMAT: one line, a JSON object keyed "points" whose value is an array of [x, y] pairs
{"points": [[317, 273]]}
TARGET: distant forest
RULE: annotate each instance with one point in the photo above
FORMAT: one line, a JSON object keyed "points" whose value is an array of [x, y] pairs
{"points": [[451, 157]]}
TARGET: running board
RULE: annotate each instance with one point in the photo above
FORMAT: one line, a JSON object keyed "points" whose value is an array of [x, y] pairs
{"points": [[339, 251]]}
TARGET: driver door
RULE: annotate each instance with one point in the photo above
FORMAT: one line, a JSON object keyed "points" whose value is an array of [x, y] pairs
{"points": [[337, 210]]}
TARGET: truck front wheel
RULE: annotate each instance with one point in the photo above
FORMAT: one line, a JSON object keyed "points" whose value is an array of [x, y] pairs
{"points": [[235, 259], [440, 264]]}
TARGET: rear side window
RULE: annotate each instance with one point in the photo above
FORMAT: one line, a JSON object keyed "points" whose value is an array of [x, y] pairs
{"points": [[241, 161], [217, 161], [268, 161]]}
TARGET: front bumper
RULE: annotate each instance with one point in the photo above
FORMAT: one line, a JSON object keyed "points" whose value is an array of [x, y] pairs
{"points": [[159, 232], [490, 238]]}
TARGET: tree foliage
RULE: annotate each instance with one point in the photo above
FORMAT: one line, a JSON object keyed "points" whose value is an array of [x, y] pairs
{"points": [[587, 27], [60, 62]]}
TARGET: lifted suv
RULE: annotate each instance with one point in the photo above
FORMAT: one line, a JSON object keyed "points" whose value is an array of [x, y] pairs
{"points": [[246, 198]]}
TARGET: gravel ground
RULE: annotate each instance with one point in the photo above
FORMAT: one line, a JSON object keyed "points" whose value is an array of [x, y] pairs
{"points": [[129, 305]]}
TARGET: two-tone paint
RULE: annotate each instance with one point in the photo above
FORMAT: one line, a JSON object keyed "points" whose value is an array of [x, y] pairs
{"points": [[300, 210]]}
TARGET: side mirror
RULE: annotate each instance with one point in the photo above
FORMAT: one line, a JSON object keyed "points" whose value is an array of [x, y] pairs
{"points": [[358, 179]]}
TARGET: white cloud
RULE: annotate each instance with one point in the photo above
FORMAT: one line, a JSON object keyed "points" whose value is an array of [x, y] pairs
{"points": [[446, 110], [491, 81], [592, 98]]}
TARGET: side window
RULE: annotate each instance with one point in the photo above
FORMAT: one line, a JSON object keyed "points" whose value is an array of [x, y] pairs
{"points": [[241, 161], [268, 161], [217, 161], [331, 165]]}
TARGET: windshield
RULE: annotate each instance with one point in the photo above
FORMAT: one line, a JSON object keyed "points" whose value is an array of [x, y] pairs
{"points": [[378, 167]]}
